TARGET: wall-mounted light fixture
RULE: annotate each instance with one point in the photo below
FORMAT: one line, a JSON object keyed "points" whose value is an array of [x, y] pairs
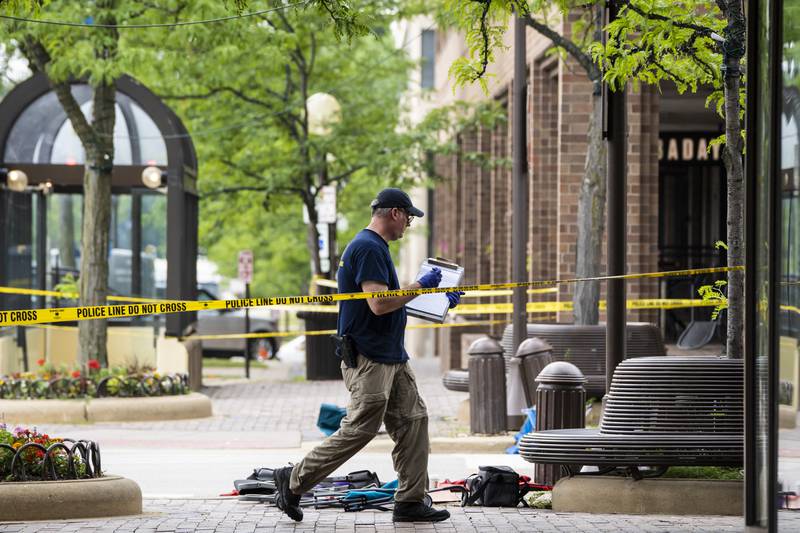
{"points": [[153, 177], [16, 180]]}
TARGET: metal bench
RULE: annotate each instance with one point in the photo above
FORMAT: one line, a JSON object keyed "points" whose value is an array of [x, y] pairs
{"points": [[456, 380], [660, 412], [585, 347]]}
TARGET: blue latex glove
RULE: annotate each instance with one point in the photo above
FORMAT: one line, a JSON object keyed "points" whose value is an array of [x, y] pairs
{"points": [[431, 279], [454, 297]]}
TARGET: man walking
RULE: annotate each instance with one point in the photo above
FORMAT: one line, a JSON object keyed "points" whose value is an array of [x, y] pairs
{"points": [[382, 385]]}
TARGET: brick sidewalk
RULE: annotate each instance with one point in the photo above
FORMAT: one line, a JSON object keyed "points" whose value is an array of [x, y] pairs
{"points": [[271, 402], [231, 516]]}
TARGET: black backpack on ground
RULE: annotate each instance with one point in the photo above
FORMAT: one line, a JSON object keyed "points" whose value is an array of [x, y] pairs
{"points": [[493, 486], [261, 481]]}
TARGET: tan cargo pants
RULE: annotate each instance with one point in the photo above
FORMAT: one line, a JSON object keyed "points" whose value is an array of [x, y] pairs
{"points": [[378, 393]]}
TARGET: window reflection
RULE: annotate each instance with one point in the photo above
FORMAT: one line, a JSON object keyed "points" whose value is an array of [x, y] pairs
{"points": [[788, 327]]}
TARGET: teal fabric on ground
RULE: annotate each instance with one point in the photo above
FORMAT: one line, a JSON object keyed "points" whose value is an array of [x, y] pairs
{"points": [[387, 490], [527, 426], [330, 418]]}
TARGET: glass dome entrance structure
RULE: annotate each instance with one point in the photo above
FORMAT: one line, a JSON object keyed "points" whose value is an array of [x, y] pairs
{"points": [[40, 227], [43, 135]]}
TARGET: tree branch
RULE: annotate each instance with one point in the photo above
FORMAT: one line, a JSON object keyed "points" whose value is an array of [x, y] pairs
{"points": [[572, 48], [668, 72], [347, 173], [215, 91], [260, 177], [702, 30], [485, 35], [37, 55], [229, 190]]}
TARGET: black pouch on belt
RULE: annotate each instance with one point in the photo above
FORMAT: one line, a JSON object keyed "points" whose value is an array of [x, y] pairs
{"points": [[346, 350]]}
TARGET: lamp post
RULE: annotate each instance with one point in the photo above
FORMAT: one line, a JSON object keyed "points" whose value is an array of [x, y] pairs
{"points": [[324, 112]]}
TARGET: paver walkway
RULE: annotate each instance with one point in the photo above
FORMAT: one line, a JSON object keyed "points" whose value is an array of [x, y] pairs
{"points": [[223, 516], [270, 402]]}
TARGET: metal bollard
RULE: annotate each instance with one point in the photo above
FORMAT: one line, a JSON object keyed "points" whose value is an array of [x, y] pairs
{"points": [[515, 396], [487, 387], [532, 356], [560, 404]]}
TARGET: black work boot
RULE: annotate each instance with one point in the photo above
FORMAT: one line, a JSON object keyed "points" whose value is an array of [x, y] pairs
{"points": [[286, 500], [418, 512]]}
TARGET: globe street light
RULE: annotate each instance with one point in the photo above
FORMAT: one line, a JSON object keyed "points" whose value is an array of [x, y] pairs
{"points": [[324, 112]]}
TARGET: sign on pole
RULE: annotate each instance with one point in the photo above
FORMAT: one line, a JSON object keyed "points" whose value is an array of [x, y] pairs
{"points": [[326, 205], [246, 266]]}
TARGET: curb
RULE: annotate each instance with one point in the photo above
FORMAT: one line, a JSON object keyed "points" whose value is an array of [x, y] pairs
{"points": [[83, 411], [670, 496], [442, 445], [74, 498]]}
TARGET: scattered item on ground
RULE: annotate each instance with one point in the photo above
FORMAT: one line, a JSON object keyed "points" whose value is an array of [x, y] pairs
{"points": [[261, 483], [330, 418], [492, 486], [362, 490], [539, 499], [527, 426]]}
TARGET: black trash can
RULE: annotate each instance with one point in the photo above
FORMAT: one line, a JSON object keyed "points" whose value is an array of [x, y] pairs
{"points": [[560, 404], [487, 387], [321, 360]]}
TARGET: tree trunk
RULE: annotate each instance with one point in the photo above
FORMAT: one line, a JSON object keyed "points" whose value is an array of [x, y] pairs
{"points": [[312, 235], [96, 223], [591, 221], [733, 51]]}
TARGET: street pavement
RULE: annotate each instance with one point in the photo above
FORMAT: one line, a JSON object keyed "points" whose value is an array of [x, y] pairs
{"points": [[231, 516], [183, 466]]}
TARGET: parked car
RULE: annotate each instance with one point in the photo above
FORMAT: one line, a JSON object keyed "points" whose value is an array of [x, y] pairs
{"points": [[224, 321]]}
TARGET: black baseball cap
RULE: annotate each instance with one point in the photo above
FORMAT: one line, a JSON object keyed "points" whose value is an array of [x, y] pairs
{"points": [[392, 197]]}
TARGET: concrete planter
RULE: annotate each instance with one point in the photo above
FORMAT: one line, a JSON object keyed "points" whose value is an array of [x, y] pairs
{"points": [[59, 500], [82, 411], [672, 496]]}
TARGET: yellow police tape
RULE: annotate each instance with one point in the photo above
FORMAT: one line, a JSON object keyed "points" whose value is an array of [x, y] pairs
{"points": [[555, 307], [69, 314], [471, 294], [75, 295]]}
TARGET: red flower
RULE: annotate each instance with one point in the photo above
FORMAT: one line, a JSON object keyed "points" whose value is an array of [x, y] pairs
{"points": [[40, 362], [76, 373], [94, 364]]}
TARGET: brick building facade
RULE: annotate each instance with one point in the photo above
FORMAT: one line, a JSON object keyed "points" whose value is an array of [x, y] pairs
{"points": [[472, 204]]}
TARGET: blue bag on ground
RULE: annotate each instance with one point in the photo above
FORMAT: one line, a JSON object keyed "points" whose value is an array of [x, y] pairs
{"points": [[527, 426], [330, 418]]}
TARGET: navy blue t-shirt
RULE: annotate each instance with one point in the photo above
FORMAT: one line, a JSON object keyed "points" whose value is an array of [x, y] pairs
{"points": [[380, 338]]}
